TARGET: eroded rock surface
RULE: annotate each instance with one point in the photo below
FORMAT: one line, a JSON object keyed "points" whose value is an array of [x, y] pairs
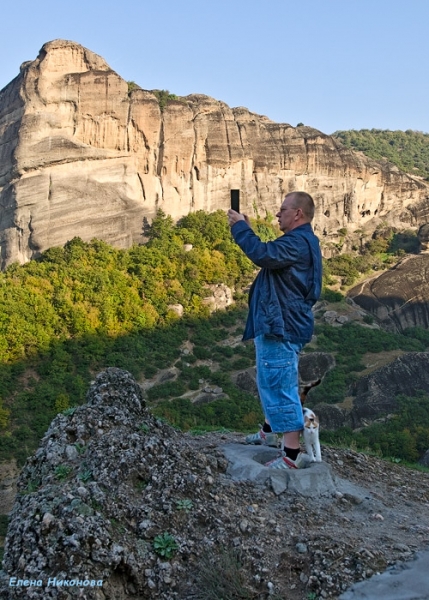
{"points": [[398, 298], [332, 416], [375, 393], [373, 396], [82, 155], [314, 365], [109, 478]]}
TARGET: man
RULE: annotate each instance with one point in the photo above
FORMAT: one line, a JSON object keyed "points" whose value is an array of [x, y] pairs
{"points": [[280, 317]]}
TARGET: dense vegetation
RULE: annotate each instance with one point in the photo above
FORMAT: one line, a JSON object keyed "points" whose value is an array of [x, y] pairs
{"points": [[408, 150], [378, 253], [403, 436], [349, 344], [86, 306]]}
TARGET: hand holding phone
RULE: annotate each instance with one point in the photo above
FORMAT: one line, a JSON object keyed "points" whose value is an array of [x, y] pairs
{"points": [[235, 200]]}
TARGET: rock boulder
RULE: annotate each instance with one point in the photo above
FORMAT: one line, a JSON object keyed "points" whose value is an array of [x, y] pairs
{"points": [[375, 393], [398, 298]]}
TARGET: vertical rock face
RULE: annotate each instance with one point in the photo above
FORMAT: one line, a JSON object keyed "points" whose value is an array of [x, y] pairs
{"points": [[65, 164], [81, 155]]}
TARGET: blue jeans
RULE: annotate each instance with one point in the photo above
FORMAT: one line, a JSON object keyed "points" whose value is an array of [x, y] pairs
{"points": [[278, 386]]}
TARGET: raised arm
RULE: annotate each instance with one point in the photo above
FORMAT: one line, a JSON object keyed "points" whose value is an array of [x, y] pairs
{"points": [[277, 254]]}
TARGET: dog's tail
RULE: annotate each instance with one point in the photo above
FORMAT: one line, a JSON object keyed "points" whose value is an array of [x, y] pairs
{"points": [[307, 388]]}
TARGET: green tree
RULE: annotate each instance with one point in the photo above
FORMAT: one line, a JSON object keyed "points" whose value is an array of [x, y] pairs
{"points": [[162, 226], [164, 97]]}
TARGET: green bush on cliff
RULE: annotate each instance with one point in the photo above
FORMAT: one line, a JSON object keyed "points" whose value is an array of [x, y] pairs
{"points": [[164, 97]]}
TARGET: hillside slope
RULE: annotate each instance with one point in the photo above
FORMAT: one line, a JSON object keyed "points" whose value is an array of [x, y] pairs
{"points": [[119, 498]]}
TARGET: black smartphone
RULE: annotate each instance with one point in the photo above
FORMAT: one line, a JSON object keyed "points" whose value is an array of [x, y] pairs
{"points": [[235, 200]]}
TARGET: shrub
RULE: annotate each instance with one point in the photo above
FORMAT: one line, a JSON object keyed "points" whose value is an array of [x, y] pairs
{"points": [[149, 371], [164, 97], [331, 296], [166, 390], [222, 575], [201, 352], [241, 363]]}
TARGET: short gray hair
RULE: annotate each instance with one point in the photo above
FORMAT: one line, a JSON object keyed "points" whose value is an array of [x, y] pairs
{"points": [[303, 201]]}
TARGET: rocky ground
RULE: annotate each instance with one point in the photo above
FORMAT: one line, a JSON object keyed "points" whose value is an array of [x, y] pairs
{"points": [[116, 496], [317, 547]]}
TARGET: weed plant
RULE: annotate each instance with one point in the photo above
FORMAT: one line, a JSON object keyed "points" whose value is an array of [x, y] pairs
{"points": [[85, 475], [186, 504], [223, 576], [62, 472], [165, 545]]}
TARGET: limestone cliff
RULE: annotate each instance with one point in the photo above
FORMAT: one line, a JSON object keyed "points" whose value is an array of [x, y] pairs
{"points": [[81, 155]]}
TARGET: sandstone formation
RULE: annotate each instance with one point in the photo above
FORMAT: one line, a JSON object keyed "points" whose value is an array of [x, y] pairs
{"points": [[219, 296], [81, 155], [375, 394], [423, 235], [398, 298]]}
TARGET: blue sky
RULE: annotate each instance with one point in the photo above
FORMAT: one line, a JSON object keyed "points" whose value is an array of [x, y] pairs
{"points": [[331, 64]]}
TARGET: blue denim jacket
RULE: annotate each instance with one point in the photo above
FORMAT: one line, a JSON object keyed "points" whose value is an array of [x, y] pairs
{"points": [[286, 287]]}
